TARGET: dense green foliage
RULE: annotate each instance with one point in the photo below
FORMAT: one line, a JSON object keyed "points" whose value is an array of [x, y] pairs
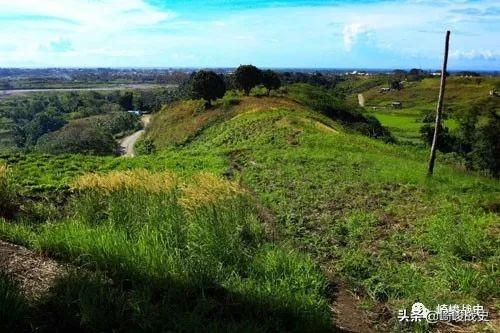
{"points": [[78, 137], [25, 119], [270, 80], [246, 77], [479, 136], [208, 85]]}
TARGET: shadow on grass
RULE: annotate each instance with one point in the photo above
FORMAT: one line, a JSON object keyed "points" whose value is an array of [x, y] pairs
{"points": [[90, 302]]}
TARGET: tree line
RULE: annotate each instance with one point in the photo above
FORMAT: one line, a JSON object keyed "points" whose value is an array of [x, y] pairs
{"points": [[210, 86]]}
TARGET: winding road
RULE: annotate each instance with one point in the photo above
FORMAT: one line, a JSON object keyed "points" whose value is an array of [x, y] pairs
{"points": [[127, 143]]}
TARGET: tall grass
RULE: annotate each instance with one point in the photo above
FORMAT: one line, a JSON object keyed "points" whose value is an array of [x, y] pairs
{"points": [[7, 194], [184, 254], [13, 308]]}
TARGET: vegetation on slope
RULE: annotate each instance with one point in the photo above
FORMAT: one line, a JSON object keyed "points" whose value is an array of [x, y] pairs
{"points": [[363, 209], [358, 206], [164, 252]]}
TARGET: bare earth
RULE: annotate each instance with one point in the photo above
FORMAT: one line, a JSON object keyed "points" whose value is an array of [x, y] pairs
{"points": [[36, 274]]}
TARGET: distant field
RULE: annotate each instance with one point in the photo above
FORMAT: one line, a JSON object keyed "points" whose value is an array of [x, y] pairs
{"points": [[420, 97]]}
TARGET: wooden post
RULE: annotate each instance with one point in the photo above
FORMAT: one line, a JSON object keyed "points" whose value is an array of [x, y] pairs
{"points": [[439, 110]]}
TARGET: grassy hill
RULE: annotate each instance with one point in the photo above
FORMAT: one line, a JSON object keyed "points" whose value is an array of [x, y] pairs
{"points": [[365, 210], [294, 205]]}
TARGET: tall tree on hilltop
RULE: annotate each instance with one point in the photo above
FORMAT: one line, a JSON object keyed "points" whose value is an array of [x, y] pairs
{"points": [[270, 80], [208, 85], [246, 77]]}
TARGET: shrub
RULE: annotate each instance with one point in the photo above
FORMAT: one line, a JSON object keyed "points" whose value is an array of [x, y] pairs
{"points": [[446, 142], [480, 139], [144, 147]]}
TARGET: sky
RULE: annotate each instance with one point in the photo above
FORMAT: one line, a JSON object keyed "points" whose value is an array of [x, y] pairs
{"points": [[224, 33]]}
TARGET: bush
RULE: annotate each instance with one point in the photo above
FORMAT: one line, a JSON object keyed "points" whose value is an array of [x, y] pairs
{"points": [[476, 140], [446, 142], [119, 122], [144, 147], [480, 139]]}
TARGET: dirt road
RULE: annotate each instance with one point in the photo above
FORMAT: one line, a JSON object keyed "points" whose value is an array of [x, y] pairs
{"points": [[127, 143]]}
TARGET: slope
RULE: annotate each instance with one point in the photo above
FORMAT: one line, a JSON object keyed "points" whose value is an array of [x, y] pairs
{"points": [[364, 209]]}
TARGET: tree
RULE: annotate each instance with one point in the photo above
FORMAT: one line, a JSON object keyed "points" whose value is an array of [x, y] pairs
{"points": [[126, 101], [208, 85], [270, 80], [479, 139], [246, 77], [396, 85], [42, 123]]}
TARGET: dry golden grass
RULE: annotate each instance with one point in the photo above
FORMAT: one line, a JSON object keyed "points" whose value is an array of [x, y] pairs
{"points": [[123, 180], [177, 123], [3, 171], [259, 104], [199, 190], [206, 188]]}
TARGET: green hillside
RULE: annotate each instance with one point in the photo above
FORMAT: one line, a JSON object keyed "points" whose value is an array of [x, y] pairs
{"points": [[365, 210], [272, 207]]}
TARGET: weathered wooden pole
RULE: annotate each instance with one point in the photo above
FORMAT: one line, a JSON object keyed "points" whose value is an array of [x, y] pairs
{"points": [[439, 110]]}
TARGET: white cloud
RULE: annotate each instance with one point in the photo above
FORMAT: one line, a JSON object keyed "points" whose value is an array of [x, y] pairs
{"points": [[352, 31], [76, 28], [475, 54], [135, 33]]}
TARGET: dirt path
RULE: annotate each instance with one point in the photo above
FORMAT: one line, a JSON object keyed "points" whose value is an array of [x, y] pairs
{"points": [[35, 274], [361, 100], [127, 143]]}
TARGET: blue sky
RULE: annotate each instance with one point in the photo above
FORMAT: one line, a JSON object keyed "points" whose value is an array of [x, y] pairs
{"points": [[224, 33]]}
